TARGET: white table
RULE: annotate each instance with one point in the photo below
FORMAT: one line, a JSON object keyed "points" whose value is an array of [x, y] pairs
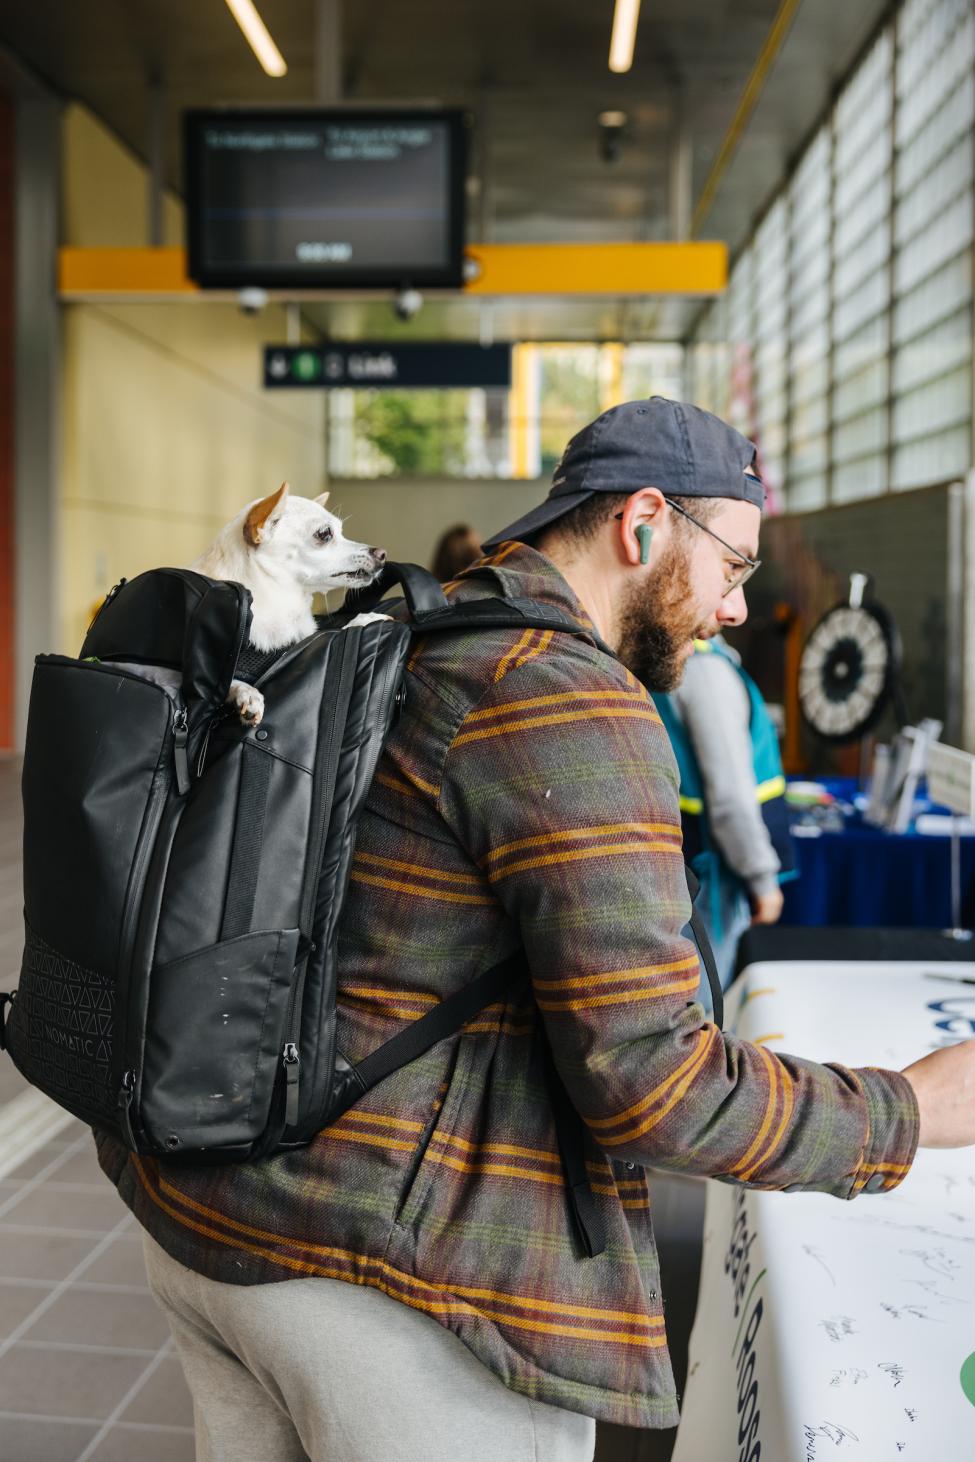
{"points": [[831, 1329]]}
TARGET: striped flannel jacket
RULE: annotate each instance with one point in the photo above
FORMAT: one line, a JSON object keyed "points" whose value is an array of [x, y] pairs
{"points": [[527, 797]]}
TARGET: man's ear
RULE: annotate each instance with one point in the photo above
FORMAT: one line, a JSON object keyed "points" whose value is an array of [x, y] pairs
{"points": [[640, 518], [322, 498], [263, 516]]}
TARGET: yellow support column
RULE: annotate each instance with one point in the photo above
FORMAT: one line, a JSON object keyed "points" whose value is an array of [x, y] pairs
{"points": [[611, 375], [523, 407]]}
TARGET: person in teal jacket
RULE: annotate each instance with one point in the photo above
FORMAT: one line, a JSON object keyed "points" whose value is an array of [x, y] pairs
{"points": [[732, 797]]}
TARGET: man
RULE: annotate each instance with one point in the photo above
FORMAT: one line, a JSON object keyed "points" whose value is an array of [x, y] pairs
{"points": [[438, 1302], [732, 798]]}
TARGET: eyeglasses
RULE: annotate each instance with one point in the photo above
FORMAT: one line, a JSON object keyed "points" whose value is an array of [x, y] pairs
{"points": [[751, 564]]}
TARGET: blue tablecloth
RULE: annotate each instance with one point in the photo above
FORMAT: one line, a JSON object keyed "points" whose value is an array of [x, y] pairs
{"points": [[865, 877]]}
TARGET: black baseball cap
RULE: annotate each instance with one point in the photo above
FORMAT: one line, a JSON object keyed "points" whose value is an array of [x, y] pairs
{"points": [[670, 445]]}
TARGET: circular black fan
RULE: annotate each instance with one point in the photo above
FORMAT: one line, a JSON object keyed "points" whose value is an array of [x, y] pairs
{"points": [[850, 668]]}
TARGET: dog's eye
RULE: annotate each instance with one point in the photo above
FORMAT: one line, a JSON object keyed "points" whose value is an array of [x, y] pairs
{"points": [[323, 534]]}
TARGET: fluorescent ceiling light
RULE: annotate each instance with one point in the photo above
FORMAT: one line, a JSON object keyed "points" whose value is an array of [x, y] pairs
{"points": [[624, 35], [258, 36]]}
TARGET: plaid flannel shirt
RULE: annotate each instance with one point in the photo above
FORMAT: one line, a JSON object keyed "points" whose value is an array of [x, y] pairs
{"points": [[527, 797]]}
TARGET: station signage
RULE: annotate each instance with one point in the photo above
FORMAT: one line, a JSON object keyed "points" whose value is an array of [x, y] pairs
{"points": [[391, 365]]}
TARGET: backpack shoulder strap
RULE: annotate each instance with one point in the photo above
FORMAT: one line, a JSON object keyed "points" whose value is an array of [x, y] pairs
{"points": [[352, 1082], [430, 610], [703, 942]]}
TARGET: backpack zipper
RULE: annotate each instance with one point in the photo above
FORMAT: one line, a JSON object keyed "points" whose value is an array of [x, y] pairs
{"points": [[291, 1061], [290, 1056], [326, 762], [180, 759], [125, 1096], [178, 768]]}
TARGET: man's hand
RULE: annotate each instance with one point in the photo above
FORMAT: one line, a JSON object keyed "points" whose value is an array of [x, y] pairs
{"points": [[767, 907], [944, 1083]]}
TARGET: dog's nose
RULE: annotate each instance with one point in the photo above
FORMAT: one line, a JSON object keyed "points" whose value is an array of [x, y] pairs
{"points": [[379, 554]]}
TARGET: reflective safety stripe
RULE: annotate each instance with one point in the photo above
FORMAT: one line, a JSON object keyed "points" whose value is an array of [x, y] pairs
{"points": [[775, 787], [765, 792]]}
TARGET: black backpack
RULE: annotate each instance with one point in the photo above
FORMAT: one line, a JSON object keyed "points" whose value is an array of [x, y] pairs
{"points": [[184, 874]]}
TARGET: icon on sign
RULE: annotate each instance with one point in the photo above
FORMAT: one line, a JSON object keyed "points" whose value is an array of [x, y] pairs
{"points": [[334, 366], [306, 366], [278, 367]]}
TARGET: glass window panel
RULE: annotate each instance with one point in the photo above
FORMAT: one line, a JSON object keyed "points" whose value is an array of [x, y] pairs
{"points": [[948, 178], [860, 435], [809, 385], [872, 206], [652, 369], [868, 344], [932, 459], [418, 433], [804, 494], [864, 104], [811, 345], [930, 408], [862, 478], [934, 298], [870, 257], [811, 272], [943, 237], [870, 162], [867, 388], [740, 300], [810, 454], [810, 185], [809, 318], [810, 420], [921, 150], [933, 354], [924, 28], [946, 65], [861, 305]]}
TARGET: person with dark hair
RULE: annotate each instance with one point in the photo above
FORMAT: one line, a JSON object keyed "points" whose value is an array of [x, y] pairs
{"points": [[457, 549], [437, 1275]]}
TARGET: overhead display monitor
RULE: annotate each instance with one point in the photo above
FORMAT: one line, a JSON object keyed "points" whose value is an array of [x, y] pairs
{"points": [[325, 198]]}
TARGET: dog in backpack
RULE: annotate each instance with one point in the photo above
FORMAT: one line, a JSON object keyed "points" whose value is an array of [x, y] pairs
{"points": [[285, 549]]}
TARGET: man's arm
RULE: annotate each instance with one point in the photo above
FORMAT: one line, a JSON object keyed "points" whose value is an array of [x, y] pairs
{"points": [[562, 786]]}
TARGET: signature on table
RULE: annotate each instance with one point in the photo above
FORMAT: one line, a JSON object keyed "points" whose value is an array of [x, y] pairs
{"points": [[838, 1327]]}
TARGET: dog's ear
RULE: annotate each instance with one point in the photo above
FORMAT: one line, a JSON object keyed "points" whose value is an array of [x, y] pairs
{"points": [[322, 498], [263, 515]]}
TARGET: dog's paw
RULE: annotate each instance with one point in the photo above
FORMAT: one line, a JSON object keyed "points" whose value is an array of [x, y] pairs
{"points": [[248, 702], [366, 619]]}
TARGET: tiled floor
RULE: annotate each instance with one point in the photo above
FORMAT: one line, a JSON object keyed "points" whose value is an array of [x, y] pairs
{"points": [[87, 1371]]}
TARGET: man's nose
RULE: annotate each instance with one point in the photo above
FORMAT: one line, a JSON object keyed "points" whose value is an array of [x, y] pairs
{"points": [[733, 610]]}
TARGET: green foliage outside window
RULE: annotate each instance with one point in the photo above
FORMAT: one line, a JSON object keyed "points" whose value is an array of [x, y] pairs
{"points": [[420, 433]]}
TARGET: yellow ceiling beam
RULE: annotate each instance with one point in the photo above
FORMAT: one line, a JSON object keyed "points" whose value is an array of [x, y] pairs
{"points": [[505, 269], [599, 269], [84, 272]]}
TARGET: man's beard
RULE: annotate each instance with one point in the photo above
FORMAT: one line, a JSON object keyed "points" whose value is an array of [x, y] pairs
{"points": [[657, 619]]}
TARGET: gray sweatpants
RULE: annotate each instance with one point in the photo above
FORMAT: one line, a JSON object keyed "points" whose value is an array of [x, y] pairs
{"points": [[321, 1369]]}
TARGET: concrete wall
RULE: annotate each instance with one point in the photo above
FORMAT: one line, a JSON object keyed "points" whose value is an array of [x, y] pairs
{"points": [[105, 189], [166, 429], [406, 516]]}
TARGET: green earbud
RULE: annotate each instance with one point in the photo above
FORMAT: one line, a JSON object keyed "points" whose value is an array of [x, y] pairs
{"points": [[644, 536]]}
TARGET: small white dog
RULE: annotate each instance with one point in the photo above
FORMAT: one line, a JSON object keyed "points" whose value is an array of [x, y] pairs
{"points": [[285, 549]]}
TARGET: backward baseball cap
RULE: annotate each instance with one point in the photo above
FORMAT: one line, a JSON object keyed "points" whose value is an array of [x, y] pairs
{"points": [[670, 445]]}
